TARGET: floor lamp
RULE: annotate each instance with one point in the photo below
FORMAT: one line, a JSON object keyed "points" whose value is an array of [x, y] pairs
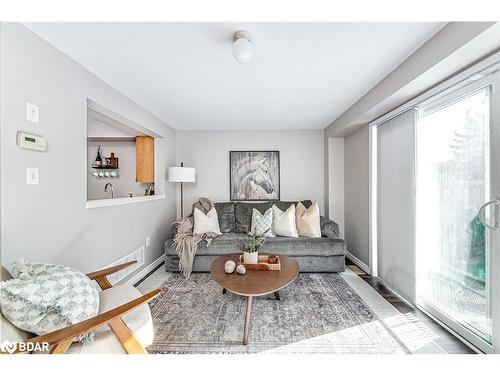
{"points": [[181, 174]]}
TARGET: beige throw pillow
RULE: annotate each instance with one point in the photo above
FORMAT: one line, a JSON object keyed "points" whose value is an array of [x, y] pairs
{"points": [[308, 222], [284, 222], [208, 223]]}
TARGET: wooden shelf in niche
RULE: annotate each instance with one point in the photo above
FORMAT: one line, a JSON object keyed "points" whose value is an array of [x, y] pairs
{"points": [[145, 159]]}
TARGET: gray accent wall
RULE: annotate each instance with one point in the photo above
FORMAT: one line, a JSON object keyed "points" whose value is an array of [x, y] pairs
{"points": [[356, 192], [49, 222], [301, 161]]}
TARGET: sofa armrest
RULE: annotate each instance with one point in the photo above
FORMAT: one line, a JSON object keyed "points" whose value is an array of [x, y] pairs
{"points": [[329, 228], [173, 230]]}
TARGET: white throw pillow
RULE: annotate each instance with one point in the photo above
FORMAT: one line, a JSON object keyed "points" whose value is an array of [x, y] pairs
{"points": [[308, 221], [208, 223], [48, 297], [284, 222], [262, 224]]}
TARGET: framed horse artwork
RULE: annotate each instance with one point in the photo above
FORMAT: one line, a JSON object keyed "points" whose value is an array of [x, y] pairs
{"points": [[254, 175]]}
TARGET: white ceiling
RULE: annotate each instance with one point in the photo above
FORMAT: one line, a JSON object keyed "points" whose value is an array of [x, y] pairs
{"points": [[302, 75]]}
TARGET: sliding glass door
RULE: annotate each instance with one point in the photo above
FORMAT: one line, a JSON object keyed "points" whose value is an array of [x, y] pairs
{"points": [[457, 192]]}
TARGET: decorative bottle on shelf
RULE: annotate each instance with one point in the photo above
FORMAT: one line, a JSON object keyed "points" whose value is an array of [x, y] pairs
{"points": [[98, 159]]}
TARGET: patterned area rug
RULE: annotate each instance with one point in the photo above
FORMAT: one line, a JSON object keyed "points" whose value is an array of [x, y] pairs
{"points": [[318, 313]]}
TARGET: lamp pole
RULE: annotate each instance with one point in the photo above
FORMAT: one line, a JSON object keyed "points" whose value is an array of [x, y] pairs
{"points": [[182, 195]]}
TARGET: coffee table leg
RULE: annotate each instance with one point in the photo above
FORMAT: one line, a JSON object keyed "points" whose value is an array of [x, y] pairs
{"points": [[223, 290], [277, 295], [247, 320]]}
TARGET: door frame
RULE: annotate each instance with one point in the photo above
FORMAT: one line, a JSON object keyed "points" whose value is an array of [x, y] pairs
{"points": [[461, 80]]}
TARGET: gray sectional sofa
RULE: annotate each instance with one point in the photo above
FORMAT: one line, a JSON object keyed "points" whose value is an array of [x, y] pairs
{"points": [[325, 254]]}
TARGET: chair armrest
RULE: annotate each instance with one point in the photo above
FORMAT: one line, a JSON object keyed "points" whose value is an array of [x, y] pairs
{"points": [[329, 228], [65, 336], [100, 276]]}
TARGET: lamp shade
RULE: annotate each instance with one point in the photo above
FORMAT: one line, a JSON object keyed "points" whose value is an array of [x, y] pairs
{"points": [[181, 174]]}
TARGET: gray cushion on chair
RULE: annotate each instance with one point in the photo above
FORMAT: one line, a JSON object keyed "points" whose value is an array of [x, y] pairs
{"points": [[225, 212]]}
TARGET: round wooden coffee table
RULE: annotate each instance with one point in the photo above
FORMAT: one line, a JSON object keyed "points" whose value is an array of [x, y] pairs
{"points": [[253, 283]]}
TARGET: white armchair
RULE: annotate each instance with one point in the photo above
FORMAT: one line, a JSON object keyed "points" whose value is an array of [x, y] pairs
{"points": [[123, 324]]}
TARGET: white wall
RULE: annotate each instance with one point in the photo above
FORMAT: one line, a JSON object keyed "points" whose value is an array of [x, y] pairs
{"points": [[455, 46], [301, 161], [49, 222], [356, 175], [336, 182]]}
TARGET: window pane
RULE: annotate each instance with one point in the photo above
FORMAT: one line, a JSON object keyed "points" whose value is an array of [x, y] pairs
{"points": [[452, 184]]}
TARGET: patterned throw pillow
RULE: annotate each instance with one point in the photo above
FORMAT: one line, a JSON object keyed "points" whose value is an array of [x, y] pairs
{"points": [[262, 223], [48, 297]]}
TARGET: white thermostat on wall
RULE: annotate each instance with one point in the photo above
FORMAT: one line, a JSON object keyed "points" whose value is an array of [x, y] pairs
{"points": [[31, 141]]}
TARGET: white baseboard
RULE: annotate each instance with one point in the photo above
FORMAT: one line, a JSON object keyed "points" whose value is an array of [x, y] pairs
{"points": [[143, 272], [358, 263]]}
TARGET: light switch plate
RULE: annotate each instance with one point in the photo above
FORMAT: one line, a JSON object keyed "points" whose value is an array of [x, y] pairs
{"points": [[32, 176], [32, 113]]}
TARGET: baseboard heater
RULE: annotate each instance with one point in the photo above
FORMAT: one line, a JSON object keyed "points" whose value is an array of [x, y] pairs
{"points": [[137, 255]]}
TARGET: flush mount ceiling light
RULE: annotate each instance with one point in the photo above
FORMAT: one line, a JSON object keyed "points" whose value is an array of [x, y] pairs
{"points": [[242, 48]]}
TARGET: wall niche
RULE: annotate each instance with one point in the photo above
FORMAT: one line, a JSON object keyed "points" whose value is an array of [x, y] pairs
{"points": [[120, 157]]}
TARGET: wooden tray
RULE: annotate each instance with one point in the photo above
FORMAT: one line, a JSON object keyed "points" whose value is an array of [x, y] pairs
{"points": [[262, 264]]}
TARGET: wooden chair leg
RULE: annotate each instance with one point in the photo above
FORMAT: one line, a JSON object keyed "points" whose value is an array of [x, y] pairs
{"points": [[61, 347], [126, 337]]}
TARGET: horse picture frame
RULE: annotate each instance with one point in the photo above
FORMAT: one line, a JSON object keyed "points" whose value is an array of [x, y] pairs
{"points": [[254, 175]]}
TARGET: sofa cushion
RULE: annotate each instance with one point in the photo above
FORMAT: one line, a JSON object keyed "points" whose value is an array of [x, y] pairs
{"points": [[225, 212], [292, 246], [308, 221], [243, 214], [206, 223], [283, 205], [262, 224], [284, 222]]}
